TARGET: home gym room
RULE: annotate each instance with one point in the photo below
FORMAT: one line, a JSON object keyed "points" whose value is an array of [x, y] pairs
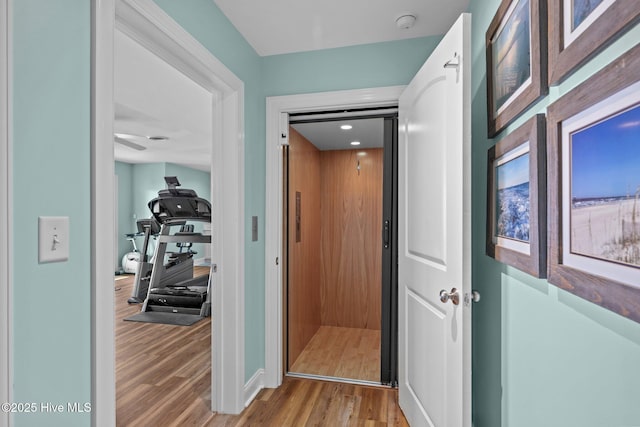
{"points": [[162, 128]]}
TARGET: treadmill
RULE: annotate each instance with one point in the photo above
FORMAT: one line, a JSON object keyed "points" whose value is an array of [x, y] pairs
{"points": [[175, 207]]}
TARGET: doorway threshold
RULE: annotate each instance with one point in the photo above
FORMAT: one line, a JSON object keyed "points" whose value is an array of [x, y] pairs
{"points": [[337, 379]]}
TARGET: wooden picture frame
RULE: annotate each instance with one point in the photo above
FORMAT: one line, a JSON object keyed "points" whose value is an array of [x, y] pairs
{"points": [[516, 198], [599, 272], [516, 55], [574, 39]]}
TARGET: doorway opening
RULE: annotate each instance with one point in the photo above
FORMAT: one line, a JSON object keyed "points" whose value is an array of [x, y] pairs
{"points": [[147, 24], [340, 308], [162, 127]]}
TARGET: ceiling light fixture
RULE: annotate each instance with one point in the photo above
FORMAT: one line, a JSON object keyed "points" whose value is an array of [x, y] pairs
{"points": [[157, 138], [346, 127], [355, 143], [122, 140], [126, 135], [405, 21]]}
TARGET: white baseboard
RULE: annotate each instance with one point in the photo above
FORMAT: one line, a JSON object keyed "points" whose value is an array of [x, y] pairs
{"points": [[253, 387]]}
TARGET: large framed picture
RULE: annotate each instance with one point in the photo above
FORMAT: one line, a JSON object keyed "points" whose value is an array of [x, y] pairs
{"points": [[516, 49], [594, 188], [578, 29], [516, 198]]}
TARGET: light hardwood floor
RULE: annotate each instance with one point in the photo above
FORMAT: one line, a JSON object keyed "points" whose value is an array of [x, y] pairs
{"points": [[302, 402], [333, 351], [163, 372], [163, 378]]}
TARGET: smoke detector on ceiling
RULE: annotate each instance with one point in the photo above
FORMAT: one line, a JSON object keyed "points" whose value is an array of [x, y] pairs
{"points": [[405, 21]]}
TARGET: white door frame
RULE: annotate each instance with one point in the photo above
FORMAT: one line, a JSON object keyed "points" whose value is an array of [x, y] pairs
{"points": [[6, 260], [278, 108], [152, 28]]}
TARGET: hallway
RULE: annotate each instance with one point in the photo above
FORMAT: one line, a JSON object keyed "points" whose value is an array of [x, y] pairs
{"points": [[163, 379]]}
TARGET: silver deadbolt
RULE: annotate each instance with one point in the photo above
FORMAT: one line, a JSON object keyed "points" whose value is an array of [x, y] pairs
{"points": [[452, 296]]}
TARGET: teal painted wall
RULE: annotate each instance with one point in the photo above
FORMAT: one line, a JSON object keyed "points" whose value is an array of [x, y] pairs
{"points": [[126, 223], [194, 179], [542, 356], [148, 178], [355, 67], [51, 131]]}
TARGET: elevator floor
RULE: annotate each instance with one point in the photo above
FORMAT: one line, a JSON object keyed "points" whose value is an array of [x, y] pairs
{"points": [[341, 352]]}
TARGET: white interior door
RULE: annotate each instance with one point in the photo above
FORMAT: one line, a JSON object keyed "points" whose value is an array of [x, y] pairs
{"points": [[435, 237]]}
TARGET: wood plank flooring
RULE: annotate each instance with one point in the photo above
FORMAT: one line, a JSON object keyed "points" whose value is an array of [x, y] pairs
{"points": [[163, 378], [163, 372], [302, 402], [343, 353]]}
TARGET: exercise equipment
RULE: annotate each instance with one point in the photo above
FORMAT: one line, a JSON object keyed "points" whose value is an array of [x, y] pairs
{"points": [[130, 259], [171, 286], [149, 229]]}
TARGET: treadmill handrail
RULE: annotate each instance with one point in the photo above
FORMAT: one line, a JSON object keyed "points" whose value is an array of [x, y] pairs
{"points": [[193, 238]]}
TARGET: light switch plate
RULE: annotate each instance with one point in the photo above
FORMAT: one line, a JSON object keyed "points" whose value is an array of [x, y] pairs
{"points": [[53, 238]]}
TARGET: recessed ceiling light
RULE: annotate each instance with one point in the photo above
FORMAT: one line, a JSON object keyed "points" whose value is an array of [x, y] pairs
{"points": [[355, 143], [157, 138], [346, 127]]}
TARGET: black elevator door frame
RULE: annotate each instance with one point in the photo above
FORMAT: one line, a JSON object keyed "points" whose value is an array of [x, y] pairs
{"points": [[389, 234], [389, 327]]}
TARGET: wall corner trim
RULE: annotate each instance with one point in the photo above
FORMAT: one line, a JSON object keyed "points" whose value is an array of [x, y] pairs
{"points": [[6, 371], [253, 387]]}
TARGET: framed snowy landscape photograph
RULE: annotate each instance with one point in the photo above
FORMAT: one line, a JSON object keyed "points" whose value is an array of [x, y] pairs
{"points": [[516, 198], [594, 188]]}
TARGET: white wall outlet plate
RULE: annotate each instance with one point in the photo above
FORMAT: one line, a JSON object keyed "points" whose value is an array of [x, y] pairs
{"points": [[53, 238]]}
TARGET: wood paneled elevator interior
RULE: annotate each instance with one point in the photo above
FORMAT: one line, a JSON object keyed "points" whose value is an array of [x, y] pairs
{"points": [[333, 215]]}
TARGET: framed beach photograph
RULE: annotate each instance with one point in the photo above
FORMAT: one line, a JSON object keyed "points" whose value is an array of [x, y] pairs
{"points": [[594, 188], [578, 29], [516, 198], [516, 55]]}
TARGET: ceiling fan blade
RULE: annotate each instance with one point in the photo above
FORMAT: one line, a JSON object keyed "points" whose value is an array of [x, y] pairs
{"points": [[129, 144]]}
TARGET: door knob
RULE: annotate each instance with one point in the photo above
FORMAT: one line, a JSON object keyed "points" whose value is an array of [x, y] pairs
{"points": [[452, 296], [475, 296]]}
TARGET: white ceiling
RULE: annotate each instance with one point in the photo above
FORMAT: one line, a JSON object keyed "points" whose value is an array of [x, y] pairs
{"points": [[285, 26], [152, 98], [329, 136]]}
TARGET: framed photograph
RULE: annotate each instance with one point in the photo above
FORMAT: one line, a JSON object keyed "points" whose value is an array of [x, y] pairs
{"points": [[594, 188], [516, 198], [516, 49], [578, 29]]}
